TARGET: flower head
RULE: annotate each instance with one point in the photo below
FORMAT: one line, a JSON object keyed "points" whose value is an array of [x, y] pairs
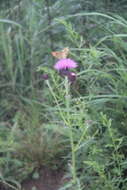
{"points": [[45, 76], [65, 64]]}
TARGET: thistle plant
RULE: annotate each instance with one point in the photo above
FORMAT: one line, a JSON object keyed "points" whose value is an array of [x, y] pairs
{"points": [[63, 67]]}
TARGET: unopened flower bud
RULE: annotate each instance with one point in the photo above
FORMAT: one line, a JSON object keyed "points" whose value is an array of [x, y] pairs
{"points": [[71, 77], [45, 76]]}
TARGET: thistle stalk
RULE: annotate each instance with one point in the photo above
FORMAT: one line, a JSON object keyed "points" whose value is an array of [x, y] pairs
{"points": [[67, 101]]}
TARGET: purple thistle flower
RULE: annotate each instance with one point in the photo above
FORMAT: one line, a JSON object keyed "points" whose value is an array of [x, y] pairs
{"points": [[65, 64]]}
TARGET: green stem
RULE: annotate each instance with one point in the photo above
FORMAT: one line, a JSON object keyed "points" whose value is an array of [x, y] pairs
{"points": [[67, 99], [56, 101], [67, 121]]}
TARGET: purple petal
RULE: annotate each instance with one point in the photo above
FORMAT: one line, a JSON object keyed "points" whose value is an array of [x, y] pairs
{"points": [[65, 64]]}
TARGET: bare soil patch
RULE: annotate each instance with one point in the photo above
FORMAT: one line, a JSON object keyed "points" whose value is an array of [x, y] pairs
{"points": [[48, 180]]}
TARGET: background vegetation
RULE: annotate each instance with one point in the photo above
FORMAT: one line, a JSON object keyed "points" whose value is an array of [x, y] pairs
{"points": [[39, 125]]}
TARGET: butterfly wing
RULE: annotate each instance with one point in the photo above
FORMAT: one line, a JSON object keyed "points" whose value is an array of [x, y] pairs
{"points": [[56, 54], [61, 54]]}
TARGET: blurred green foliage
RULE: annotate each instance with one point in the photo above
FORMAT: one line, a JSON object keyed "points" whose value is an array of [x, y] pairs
{"points": [[33, 130]]}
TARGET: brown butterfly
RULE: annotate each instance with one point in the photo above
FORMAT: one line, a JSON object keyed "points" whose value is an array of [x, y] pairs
{"points": [[61, 54]]}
